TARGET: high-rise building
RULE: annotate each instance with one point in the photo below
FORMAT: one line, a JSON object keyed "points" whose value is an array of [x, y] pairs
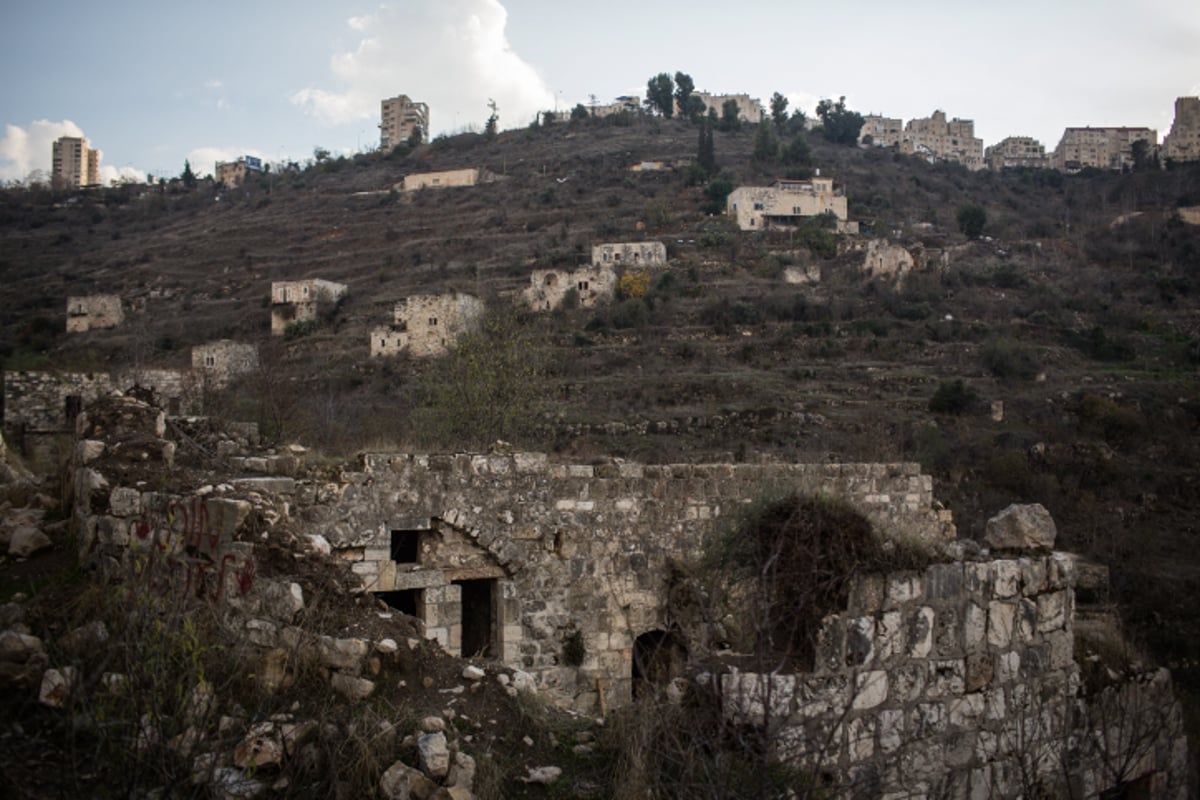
{"points": [[1183, 142], [399, 117], [73, 163], [1016, 151], [937, 139]]}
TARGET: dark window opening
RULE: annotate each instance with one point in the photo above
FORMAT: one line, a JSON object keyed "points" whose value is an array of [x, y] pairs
{"points": [[71, 408], [477, 617], [174, 406], [406, 602], [658, 658], [405, 546]]}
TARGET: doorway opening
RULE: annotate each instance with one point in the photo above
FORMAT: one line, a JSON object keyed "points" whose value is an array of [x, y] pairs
{"points": [[478, 617], [406, 602], [658, 658]]}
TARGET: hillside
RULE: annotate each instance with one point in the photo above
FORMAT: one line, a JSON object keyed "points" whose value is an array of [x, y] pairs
{"points": [[1078, 311]]}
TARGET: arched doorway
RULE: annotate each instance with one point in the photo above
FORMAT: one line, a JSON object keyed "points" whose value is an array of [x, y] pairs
{"points": [[658, 658]]}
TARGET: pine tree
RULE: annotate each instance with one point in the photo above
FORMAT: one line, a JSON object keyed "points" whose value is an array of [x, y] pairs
{"points": [[188, 177], [705, 156]]}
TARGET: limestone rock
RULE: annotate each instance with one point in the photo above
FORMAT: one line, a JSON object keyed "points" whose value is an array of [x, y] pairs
{"points": [[345, 654], [232, 783], [434, 755], [432, 724], [402, 782], [1021, 527], [351, 687], [19, 648], [87, 637], [56, 687], [542, 775], [27, 541], [462, 772], [262, 746], [473, 673]]}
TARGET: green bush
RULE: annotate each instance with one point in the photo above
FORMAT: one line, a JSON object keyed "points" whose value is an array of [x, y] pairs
{"points": [[953, 397], [1010, 360]]}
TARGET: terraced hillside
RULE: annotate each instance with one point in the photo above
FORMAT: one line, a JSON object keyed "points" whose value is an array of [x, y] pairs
{"points": [[1077, 312]]}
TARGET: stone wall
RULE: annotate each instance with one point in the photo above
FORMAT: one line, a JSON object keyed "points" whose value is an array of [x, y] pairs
{"points": [[444, 179], [886, 260], [220, 362], [300, 301], [92, 312], [960, 681], [426, 325], [567, 549], [549, 287], [629, 254]]}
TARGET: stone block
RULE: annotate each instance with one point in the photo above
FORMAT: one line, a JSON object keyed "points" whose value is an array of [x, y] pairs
{"points": [[891, 729], [979, 671], [926, 720], [920, 633], [1033, 576], [1025, 625], [1006, 578], [903, 587], [908, 681], [125, 502], [1051, 611], [870, 689], [860, 638], [860, 738], [866, 594], [974, 626], [889, 632], [946, 677], [1008, 667], [944, 581], [967, 711], [1021, 527], [1000, 623]]}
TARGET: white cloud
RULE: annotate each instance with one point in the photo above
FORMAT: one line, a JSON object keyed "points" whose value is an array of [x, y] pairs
{"points": [[213, 84], [452, 54], [120, 174], [22, 150]]}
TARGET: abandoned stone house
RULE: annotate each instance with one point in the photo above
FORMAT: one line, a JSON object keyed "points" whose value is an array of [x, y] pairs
{"points": [[301, 301], [749, 108], [933, 678], [786, 202], [549, 288], [217, 363], [427, 325], [884, 259], [445, 179], [93, 312], [629, 254]]}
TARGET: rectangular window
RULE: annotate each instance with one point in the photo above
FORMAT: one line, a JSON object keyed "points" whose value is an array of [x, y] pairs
{"points": [[405, 546], [432, 321], [583, 285]]}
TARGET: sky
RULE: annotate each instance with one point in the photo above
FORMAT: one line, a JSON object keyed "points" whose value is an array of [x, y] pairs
{"points": [[153, 83]]}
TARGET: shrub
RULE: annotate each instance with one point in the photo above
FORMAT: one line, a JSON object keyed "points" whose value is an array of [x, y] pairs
{"points": [[953, 397], [633, 285], [1010, 360]]}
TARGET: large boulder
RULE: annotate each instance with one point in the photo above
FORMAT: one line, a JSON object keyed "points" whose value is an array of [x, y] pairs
{"points": [[402, 782], [1021, 527]]}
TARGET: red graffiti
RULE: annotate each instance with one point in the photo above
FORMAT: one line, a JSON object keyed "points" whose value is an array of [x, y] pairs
{"points": [[183, 553]]}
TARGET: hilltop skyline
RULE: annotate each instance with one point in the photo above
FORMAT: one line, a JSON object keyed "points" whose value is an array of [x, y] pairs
{"points": [[153, 85]]}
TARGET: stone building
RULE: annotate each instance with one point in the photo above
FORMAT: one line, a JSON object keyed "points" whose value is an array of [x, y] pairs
{"points": [[625, 104], [1183, 142], [786, 202], [426, 325], [549, 288], [886, 260], [937, 139], [629, 254], [399, 117], [883, 131], [446, 178], [1016, 152], [93, 312], [73, 164], [749, 108], [1099, 148], [232, 174], [217, 363], [300, 301]]}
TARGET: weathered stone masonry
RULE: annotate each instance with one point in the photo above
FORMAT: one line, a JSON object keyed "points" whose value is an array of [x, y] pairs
{"points": [[568, 547]]}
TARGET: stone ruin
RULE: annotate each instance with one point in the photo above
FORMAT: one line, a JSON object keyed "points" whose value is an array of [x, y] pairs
{"points": [[959, 679], [548, 288], [427, 325], [93, 312]]}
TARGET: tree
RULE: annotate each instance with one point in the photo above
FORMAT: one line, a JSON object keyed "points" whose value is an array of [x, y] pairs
{"points": [[684, 86], [779, 114], [971, 219], [188, 177], [660, 94], [797, 153], [489, 130], [1143, 155], [840, 125], [730, 121], [579, 112], [766, 145], [705, 156], [414, 138]]}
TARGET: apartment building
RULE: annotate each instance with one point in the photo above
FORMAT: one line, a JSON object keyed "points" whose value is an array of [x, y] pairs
{"points": [[1014, 152], [1101, 148], [749, 108], [1183, 142], [399, 117], [936, 138], [883, 131], [73, 163]]}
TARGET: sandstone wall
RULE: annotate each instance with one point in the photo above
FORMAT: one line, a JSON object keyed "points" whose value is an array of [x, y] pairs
{"points": [[91, 312]]}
